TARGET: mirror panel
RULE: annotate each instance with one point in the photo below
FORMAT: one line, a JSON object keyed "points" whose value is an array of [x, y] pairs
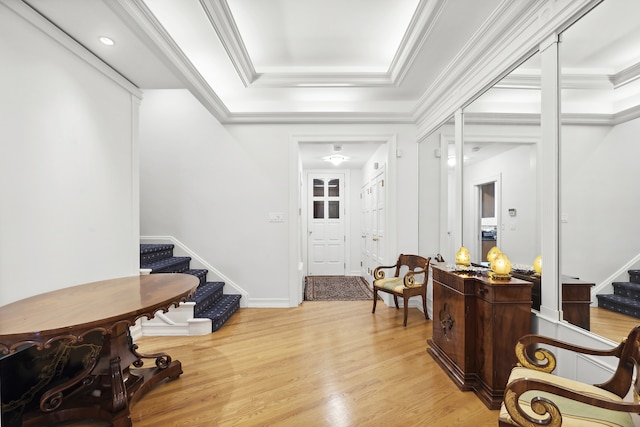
{"points": [[500, 143], [599, 152]]}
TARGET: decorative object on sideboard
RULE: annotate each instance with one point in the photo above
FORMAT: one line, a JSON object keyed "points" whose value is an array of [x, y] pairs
{"points": [[537, 265], [463, 257], [500, 267]]}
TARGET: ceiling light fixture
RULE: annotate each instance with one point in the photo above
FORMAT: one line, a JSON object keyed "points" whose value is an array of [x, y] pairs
{"points": [[335, 159], [106, 41]]}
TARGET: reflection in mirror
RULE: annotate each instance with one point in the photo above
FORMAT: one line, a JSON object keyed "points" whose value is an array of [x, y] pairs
{"points": [[436, 233], [501, 135], [599, 152]]}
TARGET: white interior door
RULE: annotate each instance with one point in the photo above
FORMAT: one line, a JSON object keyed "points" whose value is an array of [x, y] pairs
{"points": [[373, 220], [379, 220], [326, 225], [364, 230]]}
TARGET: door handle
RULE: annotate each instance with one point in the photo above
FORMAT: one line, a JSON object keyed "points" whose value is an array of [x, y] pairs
{"points": [[375, 239]]}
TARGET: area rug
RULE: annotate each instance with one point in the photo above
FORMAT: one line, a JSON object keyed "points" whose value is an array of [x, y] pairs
{"points": [[336, 288]]}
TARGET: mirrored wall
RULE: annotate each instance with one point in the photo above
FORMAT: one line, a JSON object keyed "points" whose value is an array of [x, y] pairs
{"points": [[599, 152], [490, 176], [499, 186]]}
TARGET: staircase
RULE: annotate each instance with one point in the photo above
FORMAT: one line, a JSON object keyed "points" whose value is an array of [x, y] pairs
{"points": [[625, 298], [205, 312]]}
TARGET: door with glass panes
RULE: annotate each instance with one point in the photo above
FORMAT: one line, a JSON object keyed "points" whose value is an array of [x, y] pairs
{"points": [[325, 225]]}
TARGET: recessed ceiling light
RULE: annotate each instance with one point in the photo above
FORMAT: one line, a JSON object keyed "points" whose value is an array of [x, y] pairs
{"points": [[106, 41]]}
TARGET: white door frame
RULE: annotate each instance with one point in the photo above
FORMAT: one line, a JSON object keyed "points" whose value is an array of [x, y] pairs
{"points": [[297, 227]]}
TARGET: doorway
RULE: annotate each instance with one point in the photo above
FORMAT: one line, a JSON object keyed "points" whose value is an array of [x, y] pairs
{"points": [[326, 224], [488, 216]]}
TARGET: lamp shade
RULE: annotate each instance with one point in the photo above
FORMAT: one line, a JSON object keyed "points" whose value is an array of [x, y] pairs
{"points": [[462, 256], [537, 264], [493, 252], [501, 265]]}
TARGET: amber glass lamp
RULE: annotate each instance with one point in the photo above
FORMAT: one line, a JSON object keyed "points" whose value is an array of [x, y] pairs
{"points": [[463, 257], [493, 252], [501, 267], [537, 265]]}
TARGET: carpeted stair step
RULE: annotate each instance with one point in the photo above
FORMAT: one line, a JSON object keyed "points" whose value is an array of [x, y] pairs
{"points": [[627, 289], [221, 311], [206, 296], [199, 273], [209, 298], [634, 276], [169, 265], [154, 252], [620, 304]]}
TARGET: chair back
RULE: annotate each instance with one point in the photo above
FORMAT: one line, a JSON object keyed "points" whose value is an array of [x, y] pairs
{"points": [[412, 262], [629, 354]]}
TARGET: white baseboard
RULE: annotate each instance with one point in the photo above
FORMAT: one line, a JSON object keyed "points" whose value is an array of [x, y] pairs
{"points": [[269, 303]]}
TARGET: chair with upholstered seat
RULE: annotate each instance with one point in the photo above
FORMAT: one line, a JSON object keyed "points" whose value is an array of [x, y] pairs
{"points": [[535, 397], [409, 280]]}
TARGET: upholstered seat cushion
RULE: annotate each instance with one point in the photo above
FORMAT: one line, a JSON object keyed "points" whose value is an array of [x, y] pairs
{"points": [[394, 284], [573, 413]]}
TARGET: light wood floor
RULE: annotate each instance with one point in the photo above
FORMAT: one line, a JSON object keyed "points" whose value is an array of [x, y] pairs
{"points": [[611, 325], [321, 364]]}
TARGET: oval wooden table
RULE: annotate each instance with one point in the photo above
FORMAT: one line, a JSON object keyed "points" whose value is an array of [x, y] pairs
{"points": [[115, 379]]}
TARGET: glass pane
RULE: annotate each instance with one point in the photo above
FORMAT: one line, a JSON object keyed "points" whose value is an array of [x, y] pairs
{"points": [[599, 171], [334, 188], [318, 188], [334, 209], [499, 169], [318, 209]]}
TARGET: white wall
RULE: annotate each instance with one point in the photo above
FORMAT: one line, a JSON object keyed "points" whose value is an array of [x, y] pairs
{"points": [[67, 164], [212, 187]]}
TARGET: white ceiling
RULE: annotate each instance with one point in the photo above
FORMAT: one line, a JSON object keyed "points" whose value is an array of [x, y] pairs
{"points": [[281, 60], [294, 61], [362, 59]]}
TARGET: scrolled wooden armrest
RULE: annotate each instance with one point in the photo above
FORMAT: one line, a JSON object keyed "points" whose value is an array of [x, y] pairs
{"points": [[550, 414], [410, 281], [379, 274], [544, 360]]}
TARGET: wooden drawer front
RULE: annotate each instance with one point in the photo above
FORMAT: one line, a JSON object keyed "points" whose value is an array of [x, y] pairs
{"points": [[461, 283], [503, 292]]}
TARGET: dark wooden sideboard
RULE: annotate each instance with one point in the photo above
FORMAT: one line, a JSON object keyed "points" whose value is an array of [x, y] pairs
{"points": [[576, 298], [476, 323]]}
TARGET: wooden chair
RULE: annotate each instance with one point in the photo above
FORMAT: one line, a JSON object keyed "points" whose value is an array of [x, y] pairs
{"points": [[404, 282], [535, 397]]}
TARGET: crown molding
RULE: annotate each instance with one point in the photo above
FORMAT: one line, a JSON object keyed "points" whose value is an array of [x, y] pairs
{"points": [[221, 19], [583, 119], [319, 118], [146, 26], [626, 76], [284, 80], [512, 33], [502, 118], [421, 24], [626, 115], [51, 30], [478, 64]]}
